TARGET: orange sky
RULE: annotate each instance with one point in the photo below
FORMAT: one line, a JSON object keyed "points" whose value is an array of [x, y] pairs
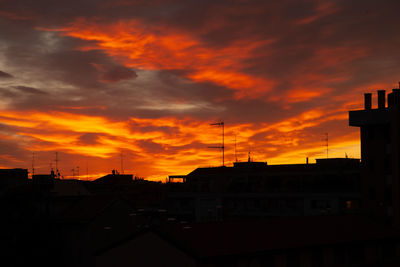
{"points": [[146, 80]]}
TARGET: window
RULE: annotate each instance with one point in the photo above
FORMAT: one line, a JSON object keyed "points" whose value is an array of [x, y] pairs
{"points": [[340, 256], [388, 136], [371, 165], [388, 165], [389, 250], [320, 204], [388, 195], [317, 258], [293, 260], [370, 134], [356, 254], [267, 261], [371, 193]]}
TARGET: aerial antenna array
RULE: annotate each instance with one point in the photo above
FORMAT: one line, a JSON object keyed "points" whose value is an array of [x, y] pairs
{"points": [[33, 163], [57, 171], [56, 160]]}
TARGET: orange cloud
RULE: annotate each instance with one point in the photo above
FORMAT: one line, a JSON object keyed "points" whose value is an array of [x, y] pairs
{"points": [[158, 147], [60, 131], [321, 10], [168, 152], [156, 47]]}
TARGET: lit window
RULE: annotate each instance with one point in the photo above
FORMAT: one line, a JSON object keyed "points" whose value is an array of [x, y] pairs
{"points": [[348, 204]]}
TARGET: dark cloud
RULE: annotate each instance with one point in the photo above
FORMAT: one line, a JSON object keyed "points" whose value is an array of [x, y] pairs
{"points": [[6, 93], [69, 65], [151, 147], [5, 75], [117, 73], [88, 139], [13, 154], [29, 90], [298, 28]]}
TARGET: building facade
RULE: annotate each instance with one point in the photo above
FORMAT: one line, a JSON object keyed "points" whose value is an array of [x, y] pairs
{"points": [[256, 189], [380, 151]]}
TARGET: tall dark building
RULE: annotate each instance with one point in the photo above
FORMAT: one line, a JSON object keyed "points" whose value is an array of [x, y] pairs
{"points": [[256, 189], [380, 155]]}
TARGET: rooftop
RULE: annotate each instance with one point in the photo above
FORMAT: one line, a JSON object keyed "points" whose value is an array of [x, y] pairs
{"points": [[216, 239]]}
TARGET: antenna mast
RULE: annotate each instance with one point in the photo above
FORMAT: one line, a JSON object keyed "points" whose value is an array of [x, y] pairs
{"points": [[33, 164], [221, 124], [122, 163], [56, 160]]}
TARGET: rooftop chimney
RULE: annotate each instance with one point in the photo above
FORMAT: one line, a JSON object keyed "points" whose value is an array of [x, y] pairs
{"points": [[367, 100], [381, 99], [394, 97]]}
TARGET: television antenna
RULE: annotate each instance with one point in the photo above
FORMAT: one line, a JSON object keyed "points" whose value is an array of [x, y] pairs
{"points": [[222, 125], [56, 161], [122, 163], [33, 163]]}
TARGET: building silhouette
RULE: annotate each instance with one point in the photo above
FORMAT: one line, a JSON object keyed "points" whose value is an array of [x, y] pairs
{"points": [[12, 177], [307, 241], [256, 189], [380, 155]]}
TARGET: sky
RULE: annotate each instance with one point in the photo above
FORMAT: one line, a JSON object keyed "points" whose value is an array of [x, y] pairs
{"points": [[134, 85]]}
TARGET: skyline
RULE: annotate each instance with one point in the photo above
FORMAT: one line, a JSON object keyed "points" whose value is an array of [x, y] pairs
{"points": [[92, 79]]}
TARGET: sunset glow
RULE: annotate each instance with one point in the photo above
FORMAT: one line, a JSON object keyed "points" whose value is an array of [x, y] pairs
{"points": [[142, 81]]}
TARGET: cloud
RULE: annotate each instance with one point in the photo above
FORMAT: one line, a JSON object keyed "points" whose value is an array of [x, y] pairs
{"points": [[114, 74], [91, 78], [89, 139], [29, 90], [5, 75]]}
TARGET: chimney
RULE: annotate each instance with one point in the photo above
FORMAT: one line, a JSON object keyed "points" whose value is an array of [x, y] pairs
{"points": [[367, 100], [394, 97], [381, 99]]}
